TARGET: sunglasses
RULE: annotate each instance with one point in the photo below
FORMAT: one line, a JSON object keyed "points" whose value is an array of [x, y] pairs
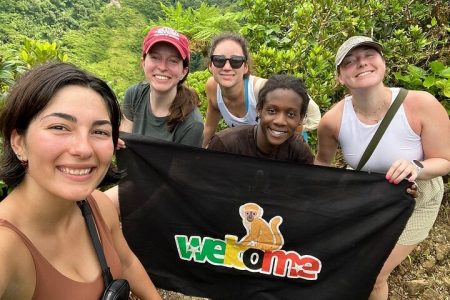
{"points": [[235, 61]]}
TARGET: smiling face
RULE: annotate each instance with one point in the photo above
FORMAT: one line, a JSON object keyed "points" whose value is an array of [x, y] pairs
{"points": [[226, 76], [279, 117], [363, 67], [68, 145], [163, 67]]}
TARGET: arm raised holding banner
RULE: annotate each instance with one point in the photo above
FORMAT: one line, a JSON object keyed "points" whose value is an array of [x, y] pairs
{"points": [[162, 106], [415, 145]]}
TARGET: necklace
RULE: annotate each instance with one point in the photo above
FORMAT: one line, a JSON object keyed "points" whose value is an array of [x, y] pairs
{"points": [[373, 116]]}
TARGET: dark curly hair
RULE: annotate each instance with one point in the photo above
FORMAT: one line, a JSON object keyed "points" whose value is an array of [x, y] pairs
{"points": [[287, 82]]}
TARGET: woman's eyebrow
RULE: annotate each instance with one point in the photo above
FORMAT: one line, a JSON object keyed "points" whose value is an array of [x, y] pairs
{"points": [[61, 115], [74, 119], [102, 122]]}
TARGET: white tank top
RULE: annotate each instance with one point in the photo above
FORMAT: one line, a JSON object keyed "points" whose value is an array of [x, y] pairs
{"points": [[250, 116], [398, 142]]}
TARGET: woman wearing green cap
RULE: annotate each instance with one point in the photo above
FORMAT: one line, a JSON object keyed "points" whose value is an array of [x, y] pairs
{"points": [[414, 147]]}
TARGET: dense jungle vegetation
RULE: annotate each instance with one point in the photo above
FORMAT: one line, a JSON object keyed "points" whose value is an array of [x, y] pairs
{"points": [[297, 37]]}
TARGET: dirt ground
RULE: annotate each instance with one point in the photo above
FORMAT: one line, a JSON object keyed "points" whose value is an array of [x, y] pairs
{"points": [[424, 275]]}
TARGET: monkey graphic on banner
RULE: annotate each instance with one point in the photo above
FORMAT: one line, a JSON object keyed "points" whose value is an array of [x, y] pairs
{"points": [[260, 234]]}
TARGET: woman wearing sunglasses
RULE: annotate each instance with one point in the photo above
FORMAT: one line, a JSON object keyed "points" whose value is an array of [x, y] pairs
{"points": [[232, 91], [281, 107]]}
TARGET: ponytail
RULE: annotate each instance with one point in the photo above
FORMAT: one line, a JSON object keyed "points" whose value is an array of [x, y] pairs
{"points": [[184, 103]]}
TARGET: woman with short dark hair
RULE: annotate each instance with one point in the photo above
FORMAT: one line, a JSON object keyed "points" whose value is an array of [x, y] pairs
{"points": [[281, 107]]}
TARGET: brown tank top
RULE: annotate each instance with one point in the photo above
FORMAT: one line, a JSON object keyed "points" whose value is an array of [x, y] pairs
{"points": [[52, 285]]}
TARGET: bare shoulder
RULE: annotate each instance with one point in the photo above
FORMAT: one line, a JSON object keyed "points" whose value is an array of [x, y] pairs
{"points": [[211, 92], [211, 85], [10, 244], [421, 100], [107, 208], [17, 279], [421, 106], [333, 116]]}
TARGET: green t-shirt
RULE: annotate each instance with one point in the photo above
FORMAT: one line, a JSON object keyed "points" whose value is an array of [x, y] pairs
{"points": [[136, 108]]}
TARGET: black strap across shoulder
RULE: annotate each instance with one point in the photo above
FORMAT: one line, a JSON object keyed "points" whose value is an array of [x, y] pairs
{"points": [[87, 214]]}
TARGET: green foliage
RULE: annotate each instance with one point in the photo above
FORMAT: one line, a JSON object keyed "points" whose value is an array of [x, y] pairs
{"points": [[436, 80], [10, 70], [219, 3], [150, 9], [43, 19], [3, 187], [199, 25], [32, 52], [197, 81], [301, 38], [35, 52], [111, 48]]}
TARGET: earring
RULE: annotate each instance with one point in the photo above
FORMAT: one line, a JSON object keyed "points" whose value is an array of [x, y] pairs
{"points": [[23, 162]]}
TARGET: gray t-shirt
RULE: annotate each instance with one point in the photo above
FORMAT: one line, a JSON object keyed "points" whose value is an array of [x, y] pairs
{"points": [[136, 107]]}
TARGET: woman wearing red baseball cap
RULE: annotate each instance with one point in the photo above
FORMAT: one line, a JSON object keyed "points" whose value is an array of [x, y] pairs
{"points": [[162, 106]]}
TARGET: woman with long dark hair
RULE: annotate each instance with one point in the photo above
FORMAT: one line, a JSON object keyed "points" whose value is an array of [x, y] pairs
{"points": [[60, 127], [232, 91], [162, 106]]}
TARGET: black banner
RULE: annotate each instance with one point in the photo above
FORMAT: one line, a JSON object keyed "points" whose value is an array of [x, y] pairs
{"points": [[225, 226]]}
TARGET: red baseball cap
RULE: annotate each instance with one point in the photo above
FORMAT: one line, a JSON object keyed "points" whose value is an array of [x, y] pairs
{"points": [[169, 35]]}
